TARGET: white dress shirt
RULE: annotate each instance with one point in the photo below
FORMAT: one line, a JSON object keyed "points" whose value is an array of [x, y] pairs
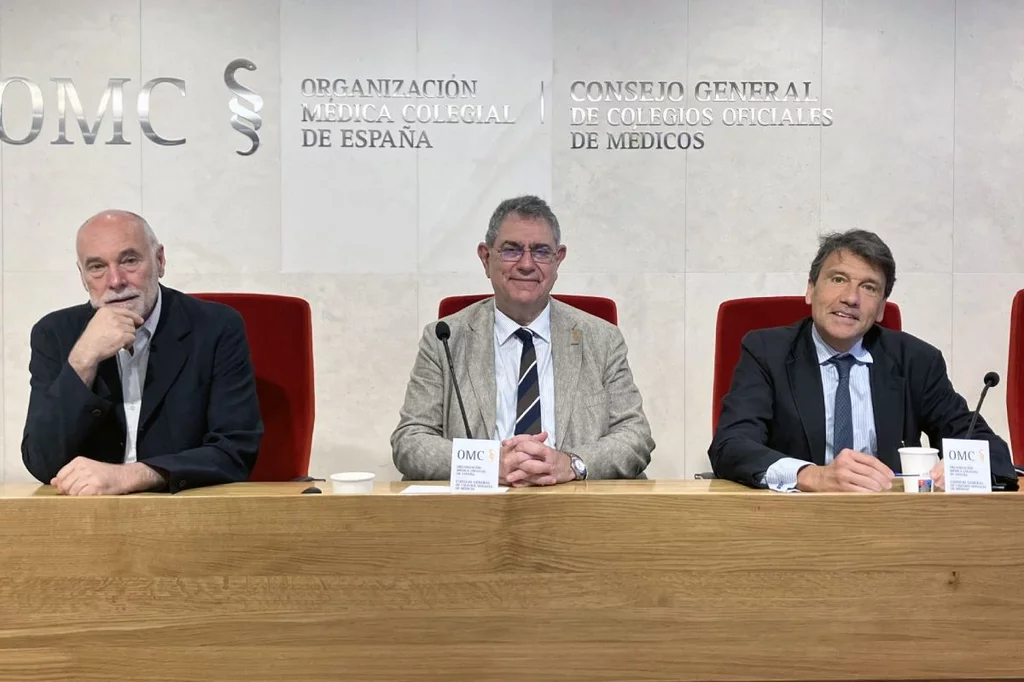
{"points": [[508, 351], [132, 368], [782, 474]]}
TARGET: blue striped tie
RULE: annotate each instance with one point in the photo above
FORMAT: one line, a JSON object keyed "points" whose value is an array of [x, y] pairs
{"points": [[528, 395], [842, 434]]}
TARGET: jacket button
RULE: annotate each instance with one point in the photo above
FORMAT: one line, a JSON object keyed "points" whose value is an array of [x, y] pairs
{"points": [[97, 412]]}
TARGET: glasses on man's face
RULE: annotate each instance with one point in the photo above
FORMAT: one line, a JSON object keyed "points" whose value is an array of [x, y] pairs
{"points": [[541, 253]]}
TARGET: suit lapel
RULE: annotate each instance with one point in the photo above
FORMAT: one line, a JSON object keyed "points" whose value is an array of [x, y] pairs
{"points": [[108, 387], [805, 384], [566, 359], [480, 366], [108, 381], [167, 354], [887, 404]]}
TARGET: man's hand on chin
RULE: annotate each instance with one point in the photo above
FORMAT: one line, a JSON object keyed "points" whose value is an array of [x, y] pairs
{"points": [[84, 476]]}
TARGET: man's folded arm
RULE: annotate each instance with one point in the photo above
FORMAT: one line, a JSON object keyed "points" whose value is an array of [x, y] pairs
{"points": [[418, 446], [230, 447], [739, 450], [61, 410], [625, 451]]}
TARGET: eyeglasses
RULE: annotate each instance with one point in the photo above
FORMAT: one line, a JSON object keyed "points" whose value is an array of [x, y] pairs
{"points": [[542, 253]]}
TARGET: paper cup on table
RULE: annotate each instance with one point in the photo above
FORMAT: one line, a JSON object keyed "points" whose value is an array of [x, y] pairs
{"points": [[352, 483], [917, 463]]}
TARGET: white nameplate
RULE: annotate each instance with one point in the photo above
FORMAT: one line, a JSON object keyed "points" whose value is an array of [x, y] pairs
{"points": [[475, 465], [967, 466], [438, 490]]}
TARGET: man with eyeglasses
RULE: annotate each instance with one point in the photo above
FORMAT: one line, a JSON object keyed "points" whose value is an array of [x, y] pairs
{"points": [[551, 382]]}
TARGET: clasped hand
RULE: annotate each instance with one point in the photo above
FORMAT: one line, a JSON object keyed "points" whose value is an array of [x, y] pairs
{"points": [[84, 476], [526, 461]]}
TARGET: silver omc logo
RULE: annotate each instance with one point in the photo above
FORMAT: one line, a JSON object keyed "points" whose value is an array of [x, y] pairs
{"points": [[69, 106], [245, 105]]}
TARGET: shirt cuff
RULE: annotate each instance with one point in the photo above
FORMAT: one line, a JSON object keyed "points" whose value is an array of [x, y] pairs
{"points": [[781, 476]]}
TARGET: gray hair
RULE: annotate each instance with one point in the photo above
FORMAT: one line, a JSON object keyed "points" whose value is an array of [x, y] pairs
{"points": [[527, 207], [861, 243]]}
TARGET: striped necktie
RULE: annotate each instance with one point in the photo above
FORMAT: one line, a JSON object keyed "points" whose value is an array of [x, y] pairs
{"points": [[528, 395]]}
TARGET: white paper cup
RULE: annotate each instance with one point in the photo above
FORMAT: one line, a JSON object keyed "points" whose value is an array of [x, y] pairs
{"points": [[352, 483], [919, 461], [917, 484]]}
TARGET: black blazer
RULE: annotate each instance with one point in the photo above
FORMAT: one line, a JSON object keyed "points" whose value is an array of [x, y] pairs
{"points": [[775, 407], [200, 420]]}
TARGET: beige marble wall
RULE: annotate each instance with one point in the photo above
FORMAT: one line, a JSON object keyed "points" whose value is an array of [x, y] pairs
{"points": [[49, 189], [988, 205], [926, 149]]}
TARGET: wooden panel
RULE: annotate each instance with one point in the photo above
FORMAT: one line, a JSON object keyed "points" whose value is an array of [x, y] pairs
{"points": [[697, 580]]}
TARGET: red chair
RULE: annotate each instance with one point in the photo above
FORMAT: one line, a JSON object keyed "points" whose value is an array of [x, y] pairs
{"points": [[1015, 380], [741, 315], [280, 333], [595, 305]]}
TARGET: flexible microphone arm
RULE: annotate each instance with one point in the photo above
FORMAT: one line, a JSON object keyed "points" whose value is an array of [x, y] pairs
{"points": [[991, 379], [443, 332]]}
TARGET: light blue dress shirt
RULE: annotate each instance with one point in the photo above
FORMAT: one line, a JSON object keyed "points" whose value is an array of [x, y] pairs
{"points": [[782, 474], [508, 351]]}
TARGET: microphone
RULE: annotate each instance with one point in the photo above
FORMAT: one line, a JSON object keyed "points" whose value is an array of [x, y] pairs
{"points": [[443, 333], [991, 379]]}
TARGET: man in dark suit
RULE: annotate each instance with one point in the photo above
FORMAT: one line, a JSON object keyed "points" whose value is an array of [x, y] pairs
{"points": [[824, 404], [142, 388]]}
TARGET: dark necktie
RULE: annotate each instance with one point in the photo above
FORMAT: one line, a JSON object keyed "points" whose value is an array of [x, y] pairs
{"points": [[842, 435], [528, 395]]}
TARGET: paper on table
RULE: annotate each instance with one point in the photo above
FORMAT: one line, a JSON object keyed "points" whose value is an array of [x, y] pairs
{"points": [[442, 490]]}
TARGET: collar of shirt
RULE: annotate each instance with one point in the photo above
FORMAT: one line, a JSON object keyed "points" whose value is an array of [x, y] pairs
{"points": [[826, 352], [505, 327]]}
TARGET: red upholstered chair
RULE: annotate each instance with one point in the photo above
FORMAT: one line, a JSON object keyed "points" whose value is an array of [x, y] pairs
{"points": [[595, 305], [1015, 380], [741, 315], [280, 333]]}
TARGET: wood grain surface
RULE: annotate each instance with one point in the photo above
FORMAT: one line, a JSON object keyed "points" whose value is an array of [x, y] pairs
{"points": [[647, 580]]}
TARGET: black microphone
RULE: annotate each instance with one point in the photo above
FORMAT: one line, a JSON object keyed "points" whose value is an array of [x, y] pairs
{"points": [[443, 333], [991, 379]]}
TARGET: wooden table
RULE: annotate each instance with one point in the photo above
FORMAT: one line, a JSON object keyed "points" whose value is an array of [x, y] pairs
{"points": [[645, 580]]}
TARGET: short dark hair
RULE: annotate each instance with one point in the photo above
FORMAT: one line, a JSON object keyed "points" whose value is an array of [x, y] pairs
{"points": [[861, 243], [527, 206]]}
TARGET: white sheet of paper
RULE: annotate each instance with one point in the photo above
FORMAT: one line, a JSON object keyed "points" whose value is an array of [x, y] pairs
{"points": [[439, 490], [475, 465], [967, 465], [427, 490]]}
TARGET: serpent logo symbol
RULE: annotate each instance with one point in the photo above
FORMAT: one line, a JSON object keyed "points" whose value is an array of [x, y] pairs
{"points": [[244, 106]]}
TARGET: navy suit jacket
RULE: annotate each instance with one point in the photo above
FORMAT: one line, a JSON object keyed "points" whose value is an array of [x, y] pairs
{"points": [[200, 420], [775, 406]]}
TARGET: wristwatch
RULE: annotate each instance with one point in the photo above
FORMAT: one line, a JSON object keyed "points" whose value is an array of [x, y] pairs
{"points": [[578, 467]]}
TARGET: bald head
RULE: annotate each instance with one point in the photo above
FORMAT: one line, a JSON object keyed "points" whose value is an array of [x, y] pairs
{"points": [[115, 219], [120, 261]]}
